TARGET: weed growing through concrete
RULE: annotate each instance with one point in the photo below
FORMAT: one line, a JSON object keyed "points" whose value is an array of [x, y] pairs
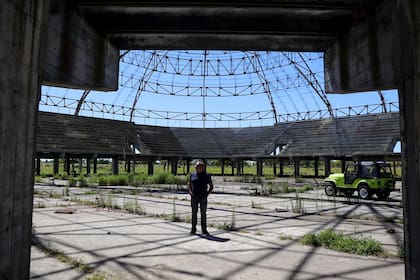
{"points": [[97, 276], [339, 242], [256, 205], [40, 205], [401, 251], [174, 216], [134, 207], [297, 207], [79, 263], [283, 236]]}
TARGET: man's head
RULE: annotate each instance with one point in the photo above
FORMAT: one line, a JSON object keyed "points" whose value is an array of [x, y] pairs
{"points": [[199, 166]]}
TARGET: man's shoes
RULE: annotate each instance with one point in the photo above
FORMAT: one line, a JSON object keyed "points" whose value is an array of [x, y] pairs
{"points": [[205, 232], [193, 230]]}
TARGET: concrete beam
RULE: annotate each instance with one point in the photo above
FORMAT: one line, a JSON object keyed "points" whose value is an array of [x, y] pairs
{"points": [[21, 30], [362, 59], [77, 56]]}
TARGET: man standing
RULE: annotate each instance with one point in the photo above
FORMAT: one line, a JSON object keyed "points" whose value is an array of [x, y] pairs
{"points": [[198, 189]]}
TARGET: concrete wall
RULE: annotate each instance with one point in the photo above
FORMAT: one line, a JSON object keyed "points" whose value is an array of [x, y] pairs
{"points": [[363, 58], [77, 56], [20, 38]]}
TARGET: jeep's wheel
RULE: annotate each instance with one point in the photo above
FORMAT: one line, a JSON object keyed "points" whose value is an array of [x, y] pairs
{"points": [[363, 191], [383, 194], [330, 189]]}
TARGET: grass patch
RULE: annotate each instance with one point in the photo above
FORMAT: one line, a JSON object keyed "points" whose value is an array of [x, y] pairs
{"points": [[134, 207], [283, 236], [337, 241], [78, 263]]}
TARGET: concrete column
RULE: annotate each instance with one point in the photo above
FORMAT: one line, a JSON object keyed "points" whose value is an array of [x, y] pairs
{"points": [[327, 167], [239, 168], [296, 168], [88, 166], [150, 165], [223, 167], [95, 165], [233, 168], [80, 165], [67, 161], [56, 168], [407, 49], [115, 166], [281, 167], [274, 167], [174, 166], [38, 166], [20, 54], [343, 165], [316, 167], [133, 167], [127, 166], [259, 168]]}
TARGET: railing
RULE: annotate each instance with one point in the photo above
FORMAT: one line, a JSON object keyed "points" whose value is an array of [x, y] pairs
{"points": [[96, 109]]}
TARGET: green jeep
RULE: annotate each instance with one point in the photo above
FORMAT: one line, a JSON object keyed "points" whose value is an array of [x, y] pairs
{"points": [[367, 178]]}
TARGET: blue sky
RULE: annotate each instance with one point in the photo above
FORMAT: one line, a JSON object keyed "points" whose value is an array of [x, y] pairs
{"points": [[290, 94]]}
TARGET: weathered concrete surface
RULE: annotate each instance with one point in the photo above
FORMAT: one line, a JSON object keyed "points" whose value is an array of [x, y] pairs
{"points": [[408, 71], [142, 247], [77, 56], [20, 39], [363, 59], [48, 268]]}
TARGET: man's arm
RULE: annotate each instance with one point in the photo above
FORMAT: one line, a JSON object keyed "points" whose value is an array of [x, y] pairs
{"points": [[211, 186], [189, 187]]}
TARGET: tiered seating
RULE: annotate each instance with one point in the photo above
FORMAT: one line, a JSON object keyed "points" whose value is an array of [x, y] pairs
{"points": [[61, 133], [358, 135]]}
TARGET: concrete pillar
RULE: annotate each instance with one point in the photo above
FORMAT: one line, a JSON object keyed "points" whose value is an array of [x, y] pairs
{"points": [[343, 165], [80, 166], [133, 167], [38, 166], [127, 166], [281, 167], [223, 167], [316, 167], [274, 167], [327, 167], [407, 49], [187, 162], [174, 166], [115, 166], [20, 53], [56, 168], [239, 168], [259, 168], [296, 169], [233, 168], [67, 161], [150, 165], [95, 165], [88, 166]]}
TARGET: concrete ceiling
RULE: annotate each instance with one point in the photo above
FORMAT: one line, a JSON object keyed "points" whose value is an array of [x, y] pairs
{"points": [[300, 25]]}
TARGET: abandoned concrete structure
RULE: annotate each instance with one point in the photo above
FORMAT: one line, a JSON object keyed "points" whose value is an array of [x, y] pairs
{"points": [[368, 45], [348, 138]]}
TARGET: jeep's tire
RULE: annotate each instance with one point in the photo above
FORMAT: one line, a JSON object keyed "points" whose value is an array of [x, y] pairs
{"points": [[330, 189], [383, 194], [363, 191]]}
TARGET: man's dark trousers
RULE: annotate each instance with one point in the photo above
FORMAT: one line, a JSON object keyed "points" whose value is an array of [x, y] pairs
{"points": [[202, 200]]}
